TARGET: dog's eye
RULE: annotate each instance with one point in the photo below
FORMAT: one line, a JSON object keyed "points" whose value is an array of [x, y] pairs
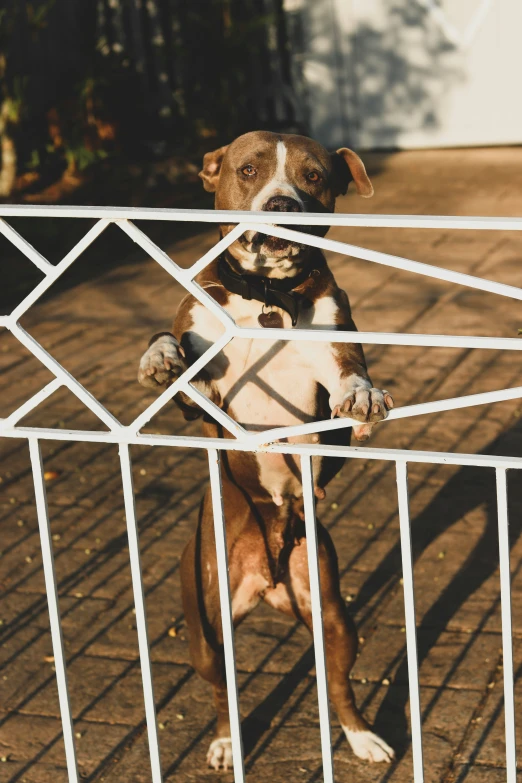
{"points": [[313, 176], [249, 170]]}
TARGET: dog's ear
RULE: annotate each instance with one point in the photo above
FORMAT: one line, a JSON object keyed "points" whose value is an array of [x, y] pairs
{"points": [[347, 166], [211, 168]]}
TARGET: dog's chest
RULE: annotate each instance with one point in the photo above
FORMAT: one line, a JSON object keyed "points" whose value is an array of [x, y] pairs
{"points": [[266, 383]]}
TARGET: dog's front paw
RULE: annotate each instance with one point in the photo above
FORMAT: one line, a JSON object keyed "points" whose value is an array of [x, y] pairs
{"points": [[369, 746], [161, 363], [219, 754], [366, 405]]}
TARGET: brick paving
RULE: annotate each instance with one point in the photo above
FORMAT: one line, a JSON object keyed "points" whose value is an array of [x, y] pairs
{"points": [[97, 324]]}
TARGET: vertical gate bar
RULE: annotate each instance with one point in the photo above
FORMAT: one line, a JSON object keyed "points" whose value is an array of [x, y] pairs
{"points": [[507, 637], [54, 609], [141, 612], [411, 628], [317, 617], [226, 613]]}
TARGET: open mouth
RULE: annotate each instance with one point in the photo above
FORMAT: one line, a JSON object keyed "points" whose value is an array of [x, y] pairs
{"points": [[275, 245], [267, 245]]}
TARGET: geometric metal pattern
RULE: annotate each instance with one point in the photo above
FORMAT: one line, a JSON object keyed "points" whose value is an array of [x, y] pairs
{"points": [[269, 440]]}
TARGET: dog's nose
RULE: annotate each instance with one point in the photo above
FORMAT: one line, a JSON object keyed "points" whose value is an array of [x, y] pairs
{"points": [[282, 204]]}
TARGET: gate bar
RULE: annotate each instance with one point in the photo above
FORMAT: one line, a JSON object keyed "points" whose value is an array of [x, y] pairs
{"points": [[51, 589], [409, 611], [141, 613], [317, 617], [507, 637], [214, 460], [460, 222]]}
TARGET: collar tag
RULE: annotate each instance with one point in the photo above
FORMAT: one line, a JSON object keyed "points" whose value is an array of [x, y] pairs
{"points": [[270, 320], [270, 291]]}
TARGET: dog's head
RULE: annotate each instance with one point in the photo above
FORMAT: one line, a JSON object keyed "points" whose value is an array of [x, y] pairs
{"points": [[279, 173]]}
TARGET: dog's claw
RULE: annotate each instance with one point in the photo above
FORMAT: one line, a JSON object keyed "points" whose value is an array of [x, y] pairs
{"points": [[388, 400], [365, 405]]}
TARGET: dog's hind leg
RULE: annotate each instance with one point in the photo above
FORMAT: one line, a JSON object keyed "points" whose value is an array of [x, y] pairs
{"points": [[292, 596], [202, 609], [203, 619]]}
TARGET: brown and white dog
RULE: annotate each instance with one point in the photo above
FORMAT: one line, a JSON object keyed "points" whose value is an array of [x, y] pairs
{"points": [[263, 384]]}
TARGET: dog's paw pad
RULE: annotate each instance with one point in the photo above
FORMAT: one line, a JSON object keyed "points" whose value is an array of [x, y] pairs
{"points": [[161, 363], [369, 746], [219, 754]]}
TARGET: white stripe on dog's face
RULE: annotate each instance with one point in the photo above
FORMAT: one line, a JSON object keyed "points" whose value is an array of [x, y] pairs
{"points": [[278, 185]]}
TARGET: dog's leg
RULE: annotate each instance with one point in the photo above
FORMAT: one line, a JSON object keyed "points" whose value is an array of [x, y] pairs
{"points": [[162, 363], [206, 653], [203, 618], [356, 398], [202, 610], [293, 598], [341, 369]]}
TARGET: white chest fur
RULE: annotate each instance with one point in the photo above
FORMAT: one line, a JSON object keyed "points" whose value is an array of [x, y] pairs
{"points": [[266, 383]]}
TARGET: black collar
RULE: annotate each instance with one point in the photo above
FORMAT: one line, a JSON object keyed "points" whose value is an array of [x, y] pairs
{"points": [[273, 292]]}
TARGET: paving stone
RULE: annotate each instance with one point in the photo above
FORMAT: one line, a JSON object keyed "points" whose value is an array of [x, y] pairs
{"points": [[269, 642], [122, 700], [35, 772], [448, 659], [29, 737], [485, 743], [163, 613], [95, 742], [89, 679], [27, 667], [467, 773]]}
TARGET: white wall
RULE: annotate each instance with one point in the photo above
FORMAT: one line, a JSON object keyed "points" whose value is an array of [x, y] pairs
{"points": [[409, 73]]}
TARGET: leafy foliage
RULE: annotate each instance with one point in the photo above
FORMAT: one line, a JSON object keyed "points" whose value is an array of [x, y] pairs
{"points": [[87, 82]]}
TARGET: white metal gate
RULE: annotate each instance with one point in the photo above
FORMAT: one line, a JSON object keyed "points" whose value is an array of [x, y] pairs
{"points": [[126, 436]]}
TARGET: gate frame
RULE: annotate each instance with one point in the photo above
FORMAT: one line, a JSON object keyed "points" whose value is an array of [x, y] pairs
{"points": [[267, 441]]}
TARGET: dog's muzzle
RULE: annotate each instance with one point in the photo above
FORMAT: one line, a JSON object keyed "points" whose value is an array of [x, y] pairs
{"points": [[282, 204], [275, 246]]}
